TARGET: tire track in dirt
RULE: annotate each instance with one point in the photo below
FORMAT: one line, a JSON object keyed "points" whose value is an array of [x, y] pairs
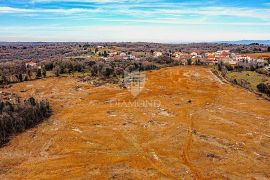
{"points": [[156, 164], [189, 139], [186, 149]]}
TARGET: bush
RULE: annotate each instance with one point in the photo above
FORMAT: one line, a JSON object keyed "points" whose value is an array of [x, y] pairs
{"points": [[17, 115], [262, 71], [264, 88], [56, 71], [189, 61]]}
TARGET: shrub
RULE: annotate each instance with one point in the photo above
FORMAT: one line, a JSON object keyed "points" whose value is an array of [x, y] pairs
{"points": [[264, 88], [17, 115], [56, 71], [189, 61]]}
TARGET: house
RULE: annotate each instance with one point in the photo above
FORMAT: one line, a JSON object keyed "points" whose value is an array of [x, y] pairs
{"points": [[267, 68], [122, 54], [222, 52], [112, 54], [233, 55], [131, 57], [251, 63], [211, 58], [180, 55], [30, 64], [157, 54], [242, 57], [222, 56], [211, 54], [193, 54], [260, 62], [229, 61]]}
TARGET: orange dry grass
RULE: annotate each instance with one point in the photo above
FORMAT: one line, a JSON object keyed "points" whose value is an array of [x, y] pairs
{"points": [[223, 132]]}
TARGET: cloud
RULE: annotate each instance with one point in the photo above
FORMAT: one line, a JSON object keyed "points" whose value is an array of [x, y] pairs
{"points": [[59, 10], [87, 1], [147, 10], [146, 20]]}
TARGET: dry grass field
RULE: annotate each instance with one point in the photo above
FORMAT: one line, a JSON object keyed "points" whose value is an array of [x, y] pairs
{"points": [[259, 55], [197, 128]]}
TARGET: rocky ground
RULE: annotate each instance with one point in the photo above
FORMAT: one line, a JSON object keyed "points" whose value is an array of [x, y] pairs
{"points": [[184, 124]]}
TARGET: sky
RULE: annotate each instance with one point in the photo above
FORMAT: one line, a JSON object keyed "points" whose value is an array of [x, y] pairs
{"points": [[165, 21]]}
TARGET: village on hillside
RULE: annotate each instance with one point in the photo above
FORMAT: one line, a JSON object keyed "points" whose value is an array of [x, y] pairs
{"points": [[243, 61], [243, 65]]}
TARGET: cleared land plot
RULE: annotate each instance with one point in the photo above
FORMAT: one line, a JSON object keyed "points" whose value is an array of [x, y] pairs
{"points": [[202, 129], [259, 55]]}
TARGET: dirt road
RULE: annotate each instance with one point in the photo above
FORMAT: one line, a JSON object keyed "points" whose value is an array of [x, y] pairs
{"points": [[184, 124]]}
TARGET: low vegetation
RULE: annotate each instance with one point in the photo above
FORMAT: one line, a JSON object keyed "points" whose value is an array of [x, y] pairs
{"points": [[16, 114], [246, 79], [17, 71], [264, 88], [105, 69]]}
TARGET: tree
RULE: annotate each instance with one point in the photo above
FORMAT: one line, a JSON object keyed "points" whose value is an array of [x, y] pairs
{"points": [[105, 54], [107, 71], [189, 61], [268, 49], [39, 74], [44, 73], [265, 88], [56, 71], [20, 78], [96, 50], [29, 74]]}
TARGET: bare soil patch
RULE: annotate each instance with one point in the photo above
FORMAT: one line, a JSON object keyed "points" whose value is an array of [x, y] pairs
{"points": [[202, 129]]}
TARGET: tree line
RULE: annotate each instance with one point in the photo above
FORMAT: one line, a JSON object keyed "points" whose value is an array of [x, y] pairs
{"points": [[17, 71], [105, 68]]}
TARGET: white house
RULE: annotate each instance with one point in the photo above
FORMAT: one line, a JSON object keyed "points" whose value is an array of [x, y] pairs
{"points": [[157, 54], [122, 54], [240, 58], [194, 54]]}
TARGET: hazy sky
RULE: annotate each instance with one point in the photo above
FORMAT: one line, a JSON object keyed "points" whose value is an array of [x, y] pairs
{"points": [[134, 20]]}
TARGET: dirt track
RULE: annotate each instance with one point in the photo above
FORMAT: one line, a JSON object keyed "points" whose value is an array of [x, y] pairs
{"points": [[203, 129]]}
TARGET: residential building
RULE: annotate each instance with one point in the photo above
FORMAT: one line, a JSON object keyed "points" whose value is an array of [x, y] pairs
{"points": [[157, 54], [30, 64]]}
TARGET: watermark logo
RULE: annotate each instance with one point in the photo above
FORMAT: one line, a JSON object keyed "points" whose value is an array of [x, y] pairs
{"points": [[134, 81], [137, 104]]}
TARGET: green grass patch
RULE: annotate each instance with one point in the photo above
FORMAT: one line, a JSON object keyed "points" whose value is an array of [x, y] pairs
{"points": [[252, 77]]}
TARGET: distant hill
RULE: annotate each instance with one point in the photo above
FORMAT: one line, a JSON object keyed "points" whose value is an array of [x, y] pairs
{"points": [[25, 43], [246, 42], [241, 42]]}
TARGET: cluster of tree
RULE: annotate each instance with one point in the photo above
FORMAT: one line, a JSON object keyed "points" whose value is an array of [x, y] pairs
{"points": [[263, 71], [17, 115], [242, 82], [103, 68], [17, 71], [264, 88]]}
